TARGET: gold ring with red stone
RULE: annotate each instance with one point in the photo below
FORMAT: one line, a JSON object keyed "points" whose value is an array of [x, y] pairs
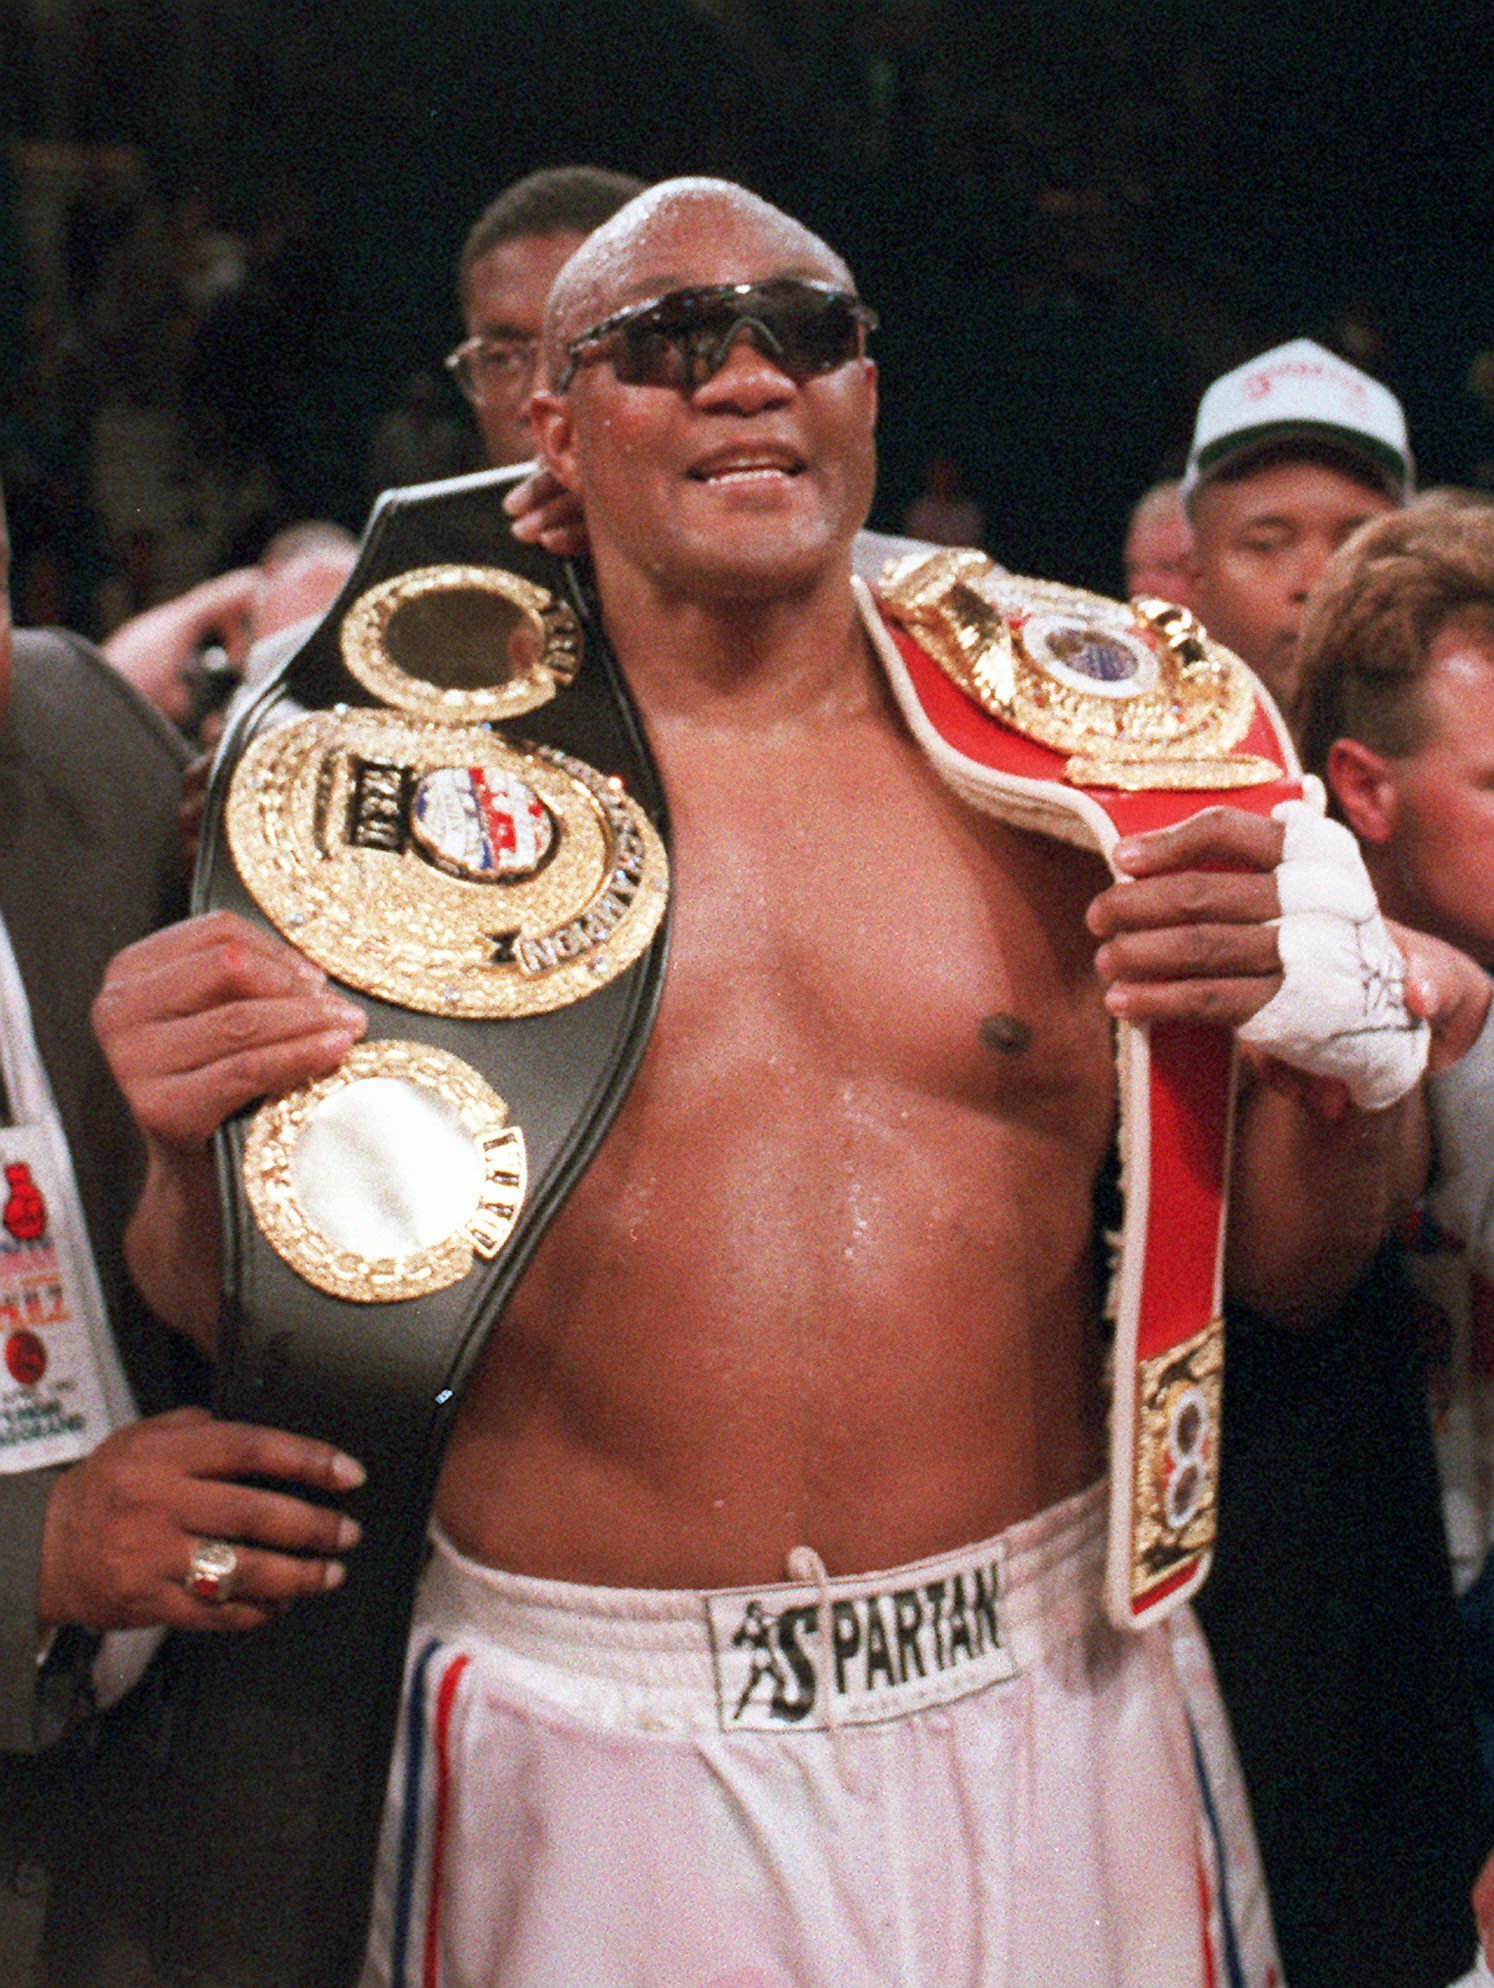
{"points": [[211, 1569]]}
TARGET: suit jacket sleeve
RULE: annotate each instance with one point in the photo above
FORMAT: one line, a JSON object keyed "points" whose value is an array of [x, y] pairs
{"points": [[89, 779]]}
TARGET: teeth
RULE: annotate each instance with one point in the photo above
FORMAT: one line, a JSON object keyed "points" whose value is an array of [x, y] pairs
{"points": [[745, 469]]}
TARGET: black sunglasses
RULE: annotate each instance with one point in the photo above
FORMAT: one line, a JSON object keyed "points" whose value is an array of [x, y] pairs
{"points": [[682, 338]]}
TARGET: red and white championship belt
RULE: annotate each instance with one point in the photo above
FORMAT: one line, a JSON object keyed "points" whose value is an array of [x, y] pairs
{"points": [[1085, 719]]}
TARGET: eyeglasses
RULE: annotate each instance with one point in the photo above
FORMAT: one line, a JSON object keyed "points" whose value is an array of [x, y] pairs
{"points": [[485, 368], [684, 337]]}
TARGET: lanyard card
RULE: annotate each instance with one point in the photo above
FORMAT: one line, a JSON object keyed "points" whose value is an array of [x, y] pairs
{"points": [[52, 1403]]}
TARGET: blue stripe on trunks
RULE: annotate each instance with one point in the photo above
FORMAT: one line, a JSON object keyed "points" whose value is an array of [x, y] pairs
{"points": [[409, 1831], [1233, 1969]]}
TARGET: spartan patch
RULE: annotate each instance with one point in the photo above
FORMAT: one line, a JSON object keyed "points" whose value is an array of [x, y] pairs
{"points": [[797, 1657]]}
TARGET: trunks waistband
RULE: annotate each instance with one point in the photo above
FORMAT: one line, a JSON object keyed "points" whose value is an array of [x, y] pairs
{"points": [[792, 1655]]}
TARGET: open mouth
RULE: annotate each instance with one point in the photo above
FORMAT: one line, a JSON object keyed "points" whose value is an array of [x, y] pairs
{"points": [[746, 466]]}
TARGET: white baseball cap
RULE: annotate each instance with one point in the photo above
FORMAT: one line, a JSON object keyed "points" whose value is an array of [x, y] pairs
{"points": [[1301, 391]]}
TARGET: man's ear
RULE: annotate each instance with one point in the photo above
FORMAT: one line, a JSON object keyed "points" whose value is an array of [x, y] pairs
{"points": [[1362, 783], [554, 435]]}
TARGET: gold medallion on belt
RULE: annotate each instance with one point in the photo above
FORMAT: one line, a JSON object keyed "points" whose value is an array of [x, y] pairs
{"points": [[442, 868], [424, 857], [1136, 694], [385, 1178], [1177, 1455]]}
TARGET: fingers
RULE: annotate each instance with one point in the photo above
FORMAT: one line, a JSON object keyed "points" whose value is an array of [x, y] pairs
{"points": [[546, 514], [1189, 897], [264, 1584], [122, 1526], [207, 1447], [185, 966], [1229, 1002], [205, 1016], [1224, 836], [287, 1548], [268, 1518], [1189, 933], [1190, 952], [1445, 988]]}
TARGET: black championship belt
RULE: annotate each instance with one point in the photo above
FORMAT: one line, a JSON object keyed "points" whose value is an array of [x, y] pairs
{"points": [[446, 800]]}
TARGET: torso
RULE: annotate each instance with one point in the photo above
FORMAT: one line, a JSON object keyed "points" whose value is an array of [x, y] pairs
{"points": [[832, 1278]]}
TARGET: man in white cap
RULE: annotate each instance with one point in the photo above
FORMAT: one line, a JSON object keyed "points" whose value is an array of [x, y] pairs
{"points": [[1291, 452]]}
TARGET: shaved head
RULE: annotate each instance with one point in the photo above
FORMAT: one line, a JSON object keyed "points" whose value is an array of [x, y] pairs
{"points": [[629, 259], [749, 483]]}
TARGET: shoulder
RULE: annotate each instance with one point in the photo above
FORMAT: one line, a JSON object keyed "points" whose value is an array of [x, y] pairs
{"points": [[77, 729], [872, 551]]}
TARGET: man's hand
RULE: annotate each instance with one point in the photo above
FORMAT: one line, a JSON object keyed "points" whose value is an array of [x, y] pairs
{"points": [[1447, 989], [1189, 933], [201, 1018], [154, 649], [546, 514], [122, 1524], [197, 1021]]}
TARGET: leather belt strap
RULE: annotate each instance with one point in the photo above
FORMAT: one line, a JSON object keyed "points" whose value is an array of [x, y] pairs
{"points": [[1176, 1080], [280, 1749]]}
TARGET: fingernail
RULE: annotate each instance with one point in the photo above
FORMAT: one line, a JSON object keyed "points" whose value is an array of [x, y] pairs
{"points": [[1125, 851], [334, 1575], [347, 1472], [511, 500], [308, 970], [349, 1532]]}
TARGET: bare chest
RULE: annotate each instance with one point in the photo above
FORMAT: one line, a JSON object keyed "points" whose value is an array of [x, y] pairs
{"points": [[843, 1222], [844, 911]]}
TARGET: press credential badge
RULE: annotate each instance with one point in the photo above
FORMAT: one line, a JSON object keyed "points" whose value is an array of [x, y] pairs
{"points": [[52, 1403]]}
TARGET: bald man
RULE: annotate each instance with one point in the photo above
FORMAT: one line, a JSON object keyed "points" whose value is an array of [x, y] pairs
{"points": [[761, 1642]]}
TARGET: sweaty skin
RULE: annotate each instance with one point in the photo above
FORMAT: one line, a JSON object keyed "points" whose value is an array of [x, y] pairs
{"points": [[834, 1239], [728, 1344], [832, 1278]]}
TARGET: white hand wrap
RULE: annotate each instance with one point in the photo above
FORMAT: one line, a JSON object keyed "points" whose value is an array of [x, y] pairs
{"points": [[1341, 1008]]}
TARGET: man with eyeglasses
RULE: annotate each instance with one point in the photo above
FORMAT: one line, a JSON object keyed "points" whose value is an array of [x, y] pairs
{"points": [[827, 1300], [511, 257]]}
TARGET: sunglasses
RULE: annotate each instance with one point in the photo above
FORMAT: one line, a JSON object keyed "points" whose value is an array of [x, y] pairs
{"points": [[684, 337]]}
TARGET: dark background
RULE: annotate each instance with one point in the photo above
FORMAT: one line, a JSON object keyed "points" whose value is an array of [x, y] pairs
{"points": [[1070, 213]]}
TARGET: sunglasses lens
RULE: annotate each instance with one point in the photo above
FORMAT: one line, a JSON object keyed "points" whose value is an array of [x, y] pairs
{"points": [[817, 332], [685, 339], [650, 355]]}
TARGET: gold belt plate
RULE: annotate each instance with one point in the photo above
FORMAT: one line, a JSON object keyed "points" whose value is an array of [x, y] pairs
{"points": [[463, 644], [1177, 1455], [444, 868], [382, 1180], [1136, 694]]}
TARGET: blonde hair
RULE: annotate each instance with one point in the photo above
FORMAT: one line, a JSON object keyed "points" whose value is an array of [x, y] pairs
{"points": [[1379, 605]]}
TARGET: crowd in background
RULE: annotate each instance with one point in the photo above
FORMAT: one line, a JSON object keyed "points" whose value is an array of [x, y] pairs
{"points": [[206, 336], [188, 375]]}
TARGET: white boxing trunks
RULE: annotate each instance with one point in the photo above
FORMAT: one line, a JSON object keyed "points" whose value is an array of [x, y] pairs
{"points": [[953, 1775]]}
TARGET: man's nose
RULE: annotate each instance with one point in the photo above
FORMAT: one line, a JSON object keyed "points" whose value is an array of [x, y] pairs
{"points": [[1310, 557]]}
